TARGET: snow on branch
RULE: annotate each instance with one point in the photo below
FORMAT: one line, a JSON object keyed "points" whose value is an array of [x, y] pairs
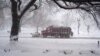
{"points": [[27, 7], [86, 5], [65, 4]]}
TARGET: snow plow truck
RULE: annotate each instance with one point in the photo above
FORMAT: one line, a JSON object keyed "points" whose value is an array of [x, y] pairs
{"points": [[58, 32]]}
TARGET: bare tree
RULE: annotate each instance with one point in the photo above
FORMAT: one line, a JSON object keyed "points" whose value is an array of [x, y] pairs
{"points": [[17, 14], [89, 6], [40, 17]]}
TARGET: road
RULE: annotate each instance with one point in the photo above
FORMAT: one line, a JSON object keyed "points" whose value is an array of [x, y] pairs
{"points": [[49, 47]]}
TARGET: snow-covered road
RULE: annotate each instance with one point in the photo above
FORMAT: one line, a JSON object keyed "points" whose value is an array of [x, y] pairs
{"points": [[49, 47]]}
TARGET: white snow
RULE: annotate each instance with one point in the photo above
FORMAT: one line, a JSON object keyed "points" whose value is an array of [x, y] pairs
{"points": [[49, 47]]}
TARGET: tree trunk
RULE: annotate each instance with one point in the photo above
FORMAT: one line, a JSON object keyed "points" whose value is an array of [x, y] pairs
{"points": [[15, 6], [15, 29], [15, 21], [78, 20], [88, 29]]}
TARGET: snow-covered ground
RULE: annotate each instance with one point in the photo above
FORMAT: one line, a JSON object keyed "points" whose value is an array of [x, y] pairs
{"points": [[49, 47]]}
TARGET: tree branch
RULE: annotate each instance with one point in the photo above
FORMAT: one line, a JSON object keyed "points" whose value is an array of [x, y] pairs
{"points": [[89, 6], [36, 7], [27, 7], [20, 2]]}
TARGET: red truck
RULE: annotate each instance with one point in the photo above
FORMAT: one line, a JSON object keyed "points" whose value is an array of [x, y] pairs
{"points": [[62, 32]]}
